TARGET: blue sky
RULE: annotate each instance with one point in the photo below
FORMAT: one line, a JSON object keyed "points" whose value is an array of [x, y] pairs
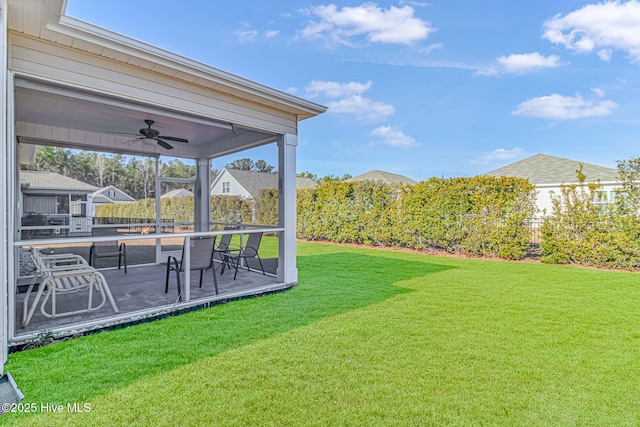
{"points": [[439, 88]]}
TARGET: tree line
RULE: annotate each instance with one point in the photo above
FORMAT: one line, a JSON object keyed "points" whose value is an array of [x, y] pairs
{"points": [[132, 174]]}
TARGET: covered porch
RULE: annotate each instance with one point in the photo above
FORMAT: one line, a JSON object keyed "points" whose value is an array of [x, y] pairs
{"points": [[79, 87]]}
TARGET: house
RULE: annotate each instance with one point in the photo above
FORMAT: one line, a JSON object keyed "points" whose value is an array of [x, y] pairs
{"points": [[247, 184], [109, 195], [385, 177], [61, 204], [179, 192], [69, 84], [549, 173]]}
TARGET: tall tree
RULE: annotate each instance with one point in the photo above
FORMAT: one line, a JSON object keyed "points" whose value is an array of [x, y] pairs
{"points": [[52, 159], [307, 174], [244, 164], [101, 167], [262, 166]]}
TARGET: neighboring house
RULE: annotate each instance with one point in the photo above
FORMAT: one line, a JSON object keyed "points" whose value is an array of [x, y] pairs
{"points": [[180, 192], [549, 173], [386, 177], [247, 184], [109, 195], [59, 199]]}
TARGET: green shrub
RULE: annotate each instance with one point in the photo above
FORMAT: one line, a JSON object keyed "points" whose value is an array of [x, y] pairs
{"points": [[481, 215]]}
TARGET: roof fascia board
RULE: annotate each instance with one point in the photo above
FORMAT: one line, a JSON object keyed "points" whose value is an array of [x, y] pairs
{"points": [[578, 184], [218, 177], [93, 34]]}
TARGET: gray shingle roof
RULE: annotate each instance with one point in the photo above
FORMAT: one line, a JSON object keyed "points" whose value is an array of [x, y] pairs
{"points": [[253, 182], [386, 177], [38, 180], [545, 169], [180, 192], [102, 195], [305, 183]]}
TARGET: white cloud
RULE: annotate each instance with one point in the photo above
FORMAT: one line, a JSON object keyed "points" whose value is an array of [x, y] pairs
{"points": [[427, 50], [602, 27], [394, 137], [498, 155], [605, 54], [396, 25], [520, 64], [271, 33], [336, 89], [364, 109], [599, 92], [558, 107], [246, 34]]}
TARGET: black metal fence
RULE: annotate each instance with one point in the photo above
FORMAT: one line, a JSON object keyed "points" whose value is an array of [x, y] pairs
{"points": [[104, 220]]}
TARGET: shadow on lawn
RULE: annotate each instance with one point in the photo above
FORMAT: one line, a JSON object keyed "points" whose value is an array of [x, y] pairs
{"points": [[330, 284]]}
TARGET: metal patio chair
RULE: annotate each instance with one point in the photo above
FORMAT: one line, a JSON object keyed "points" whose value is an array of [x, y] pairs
{"points": [[108, 249], [201, 258], [224, 247], [249, 251]]}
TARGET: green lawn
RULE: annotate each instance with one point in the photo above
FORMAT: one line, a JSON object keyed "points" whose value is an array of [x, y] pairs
{"points": [[369, 337]]}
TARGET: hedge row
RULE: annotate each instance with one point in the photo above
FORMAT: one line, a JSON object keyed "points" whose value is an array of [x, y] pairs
{"points": [[479, 215], [228, 209]]}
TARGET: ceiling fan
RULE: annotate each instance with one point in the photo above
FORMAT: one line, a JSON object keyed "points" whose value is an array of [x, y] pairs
{"points": [[154, 135]]}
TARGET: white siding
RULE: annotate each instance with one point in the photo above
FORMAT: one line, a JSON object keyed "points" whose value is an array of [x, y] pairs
{"points": [[40, 204], [235, 189], [545, 193]]}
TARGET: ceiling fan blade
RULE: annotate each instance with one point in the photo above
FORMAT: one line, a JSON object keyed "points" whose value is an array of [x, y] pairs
{"points": [[173, 138], [163, 144], [131, 141], [122, 133]]}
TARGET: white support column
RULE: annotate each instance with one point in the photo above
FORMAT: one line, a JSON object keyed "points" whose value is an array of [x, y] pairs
{"points": [[5, 228], [158, 212], [201, 196], [287, 270]]}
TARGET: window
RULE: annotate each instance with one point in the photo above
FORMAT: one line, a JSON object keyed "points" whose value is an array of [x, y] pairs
{"points": [[112, 193], [226, 187], [606, 197]]}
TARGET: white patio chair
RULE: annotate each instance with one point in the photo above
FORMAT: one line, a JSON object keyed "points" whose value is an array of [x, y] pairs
{"points": [[64, 274]]}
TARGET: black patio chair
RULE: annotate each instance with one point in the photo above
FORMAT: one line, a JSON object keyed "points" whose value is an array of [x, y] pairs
{"points": [[224, 247], [201, 258], [250, 251], [108, 249]]}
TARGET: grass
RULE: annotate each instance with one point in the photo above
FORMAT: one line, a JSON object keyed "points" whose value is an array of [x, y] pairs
{"points": [[368, 338]]}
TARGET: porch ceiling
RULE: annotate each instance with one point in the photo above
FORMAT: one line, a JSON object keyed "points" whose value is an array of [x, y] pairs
{"points": [[55, 116]]}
